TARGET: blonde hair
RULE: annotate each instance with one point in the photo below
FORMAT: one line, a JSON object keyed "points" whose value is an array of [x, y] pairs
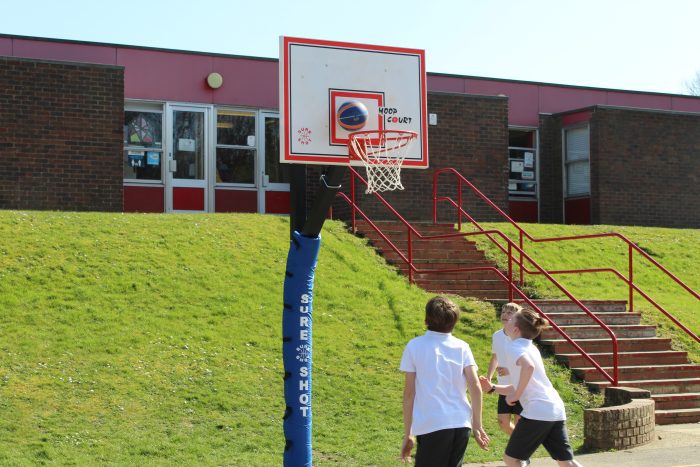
{"points": [[508, 308], [529, 323]]}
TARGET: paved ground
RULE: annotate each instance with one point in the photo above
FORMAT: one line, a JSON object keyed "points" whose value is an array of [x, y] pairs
{"points": [[673, 446]]}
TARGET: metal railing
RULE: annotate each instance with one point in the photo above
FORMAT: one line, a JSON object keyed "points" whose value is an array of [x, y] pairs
{"points": [[512, 248], [522, 234]]}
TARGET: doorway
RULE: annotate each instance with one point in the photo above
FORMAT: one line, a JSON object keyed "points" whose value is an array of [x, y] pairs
{"points": [[188, 160]]}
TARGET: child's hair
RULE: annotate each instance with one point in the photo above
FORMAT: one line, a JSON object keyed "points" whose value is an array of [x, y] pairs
{"points": [[508, 308], [529, 323], [441, 314]]}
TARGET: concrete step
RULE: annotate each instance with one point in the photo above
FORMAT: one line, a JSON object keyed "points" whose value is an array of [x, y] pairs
{"points": [[436, 263], [666, 357], [655, 386], [615, 318], [567, 306], [595, 331], [672, 417], [690, 400], [398, 228], [559, 345], [401, 241], [437, 255], [640, 373]]}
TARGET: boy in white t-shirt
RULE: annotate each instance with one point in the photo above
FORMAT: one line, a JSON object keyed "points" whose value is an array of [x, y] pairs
{"points": [[499, 341], [439, 368], [543, 419]]}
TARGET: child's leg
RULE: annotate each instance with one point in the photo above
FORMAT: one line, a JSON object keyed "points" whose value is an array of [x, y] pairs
{"points": [[558, 446], [505, 423], [526, 438], [459, 446]]}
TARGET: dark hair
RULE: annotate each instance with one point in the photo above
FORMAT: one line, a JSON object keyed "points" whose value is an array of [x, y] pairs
{"points": [[441, 314], [529, 323]]}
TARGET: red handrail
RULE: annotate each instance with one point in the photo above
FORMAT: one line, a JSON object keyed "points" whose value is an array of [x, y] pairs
{"points": [[355, 209], [632, 247]]}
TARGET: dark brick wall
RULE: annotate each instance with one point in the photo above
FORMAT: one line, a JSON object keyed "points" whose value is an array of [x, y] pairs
{"points": [[551, 184], [472, 137], [60, 135], [647, 167]]}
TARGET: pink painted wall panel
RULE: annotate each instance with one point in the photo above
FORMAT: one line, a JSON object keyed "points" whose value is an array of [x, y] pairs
{"points": [[153, 74], [559, 99], [446, 84], [685, 104], [522, 98], [247, 82], [638, 100], [65, 52], [5, 46]]}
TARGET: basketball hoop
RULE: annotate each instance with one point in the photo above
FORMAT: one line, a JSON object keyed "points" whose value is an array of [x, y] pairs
{"points": [[382, 152]]}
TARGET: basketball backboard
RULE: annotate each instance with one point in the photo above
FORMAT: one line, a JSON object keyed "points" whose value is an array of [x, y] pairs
{"points": [[318, 77]]}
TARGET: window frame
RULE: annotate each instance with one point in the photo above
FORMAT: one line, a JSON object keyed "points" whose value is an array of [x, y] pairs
{"points": [[152, 107], [255, 148], [566, 163]]}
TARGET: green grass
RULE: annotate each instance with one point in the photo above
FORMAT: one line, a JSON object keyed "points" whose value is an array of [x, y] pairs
{"points": [[156, 340], [678, 250]]}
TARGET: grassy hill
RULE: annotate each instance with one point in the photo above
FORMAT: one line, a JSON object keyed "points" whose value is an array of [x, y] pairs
{"points": [[156, 340], [676, 249]]}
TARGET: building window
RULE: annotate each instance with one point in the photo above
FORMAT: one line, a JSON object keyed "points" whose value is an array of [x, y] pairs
{"points": [[235, 147], [143, 145], [577, 162], [522, 164]]}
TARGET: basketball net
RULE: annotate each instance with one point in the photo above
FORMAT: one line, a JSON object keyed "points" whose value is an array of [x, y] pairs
{"points": [[382, 152]]}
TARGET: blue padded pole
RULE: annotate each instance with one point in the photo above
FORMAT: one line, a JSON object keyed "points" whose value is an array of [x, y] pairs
{"points": [[296, 347]]}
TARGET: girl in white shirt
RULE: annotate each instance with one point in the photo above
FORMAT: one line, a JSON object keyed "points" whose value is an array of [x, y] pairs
{"points": [[543, 419]]}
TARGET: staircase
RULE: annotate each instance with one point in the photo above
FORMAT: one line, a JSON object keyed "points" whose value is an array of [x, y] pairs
{"points": [[448, 253], [645, 361]]}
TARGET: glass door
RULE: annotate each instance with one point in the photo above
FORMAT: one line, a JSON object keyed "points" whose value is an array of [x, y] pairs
{"points": [[187, 184], [273, 195]]}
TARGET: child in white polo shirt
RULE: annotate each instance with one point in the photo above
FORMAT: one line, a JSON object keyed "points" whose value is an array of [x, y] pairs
{"points": [[508, 415], [543, 419], [439, 368]]}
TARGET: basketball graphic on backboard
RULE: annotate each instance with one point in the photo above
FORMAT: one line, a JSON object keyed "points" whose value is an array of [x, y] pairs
{"points": [[352, 115]]}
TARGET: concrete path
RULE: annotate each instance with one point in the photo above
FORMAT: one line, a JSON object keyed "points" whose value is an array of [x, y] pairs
{"points": [[673, 446]]}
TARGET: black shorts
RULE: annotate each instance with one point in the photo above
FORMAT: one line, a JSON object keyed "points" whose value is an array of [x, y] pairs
{"points": [[503, 406], [530, 434], [442, 447]]}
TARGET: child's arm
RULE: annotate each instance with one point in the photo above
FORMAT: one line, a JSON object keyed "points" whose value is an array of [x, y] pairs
{"points": [[409, 394], [503, 389], [527, 368], [475, 393], [493, 364]]}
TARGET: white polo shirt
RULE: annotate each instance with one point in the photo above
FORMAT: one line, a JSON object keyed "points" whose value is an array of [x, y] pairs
{"points": [[540, 400], [499, 342], [439, 359]]}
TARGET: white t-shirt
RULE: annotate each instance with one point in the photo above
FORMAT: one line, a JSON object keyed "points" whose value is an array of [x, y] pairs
{"points": [[439, 359], [540, 400], [499, 341]]}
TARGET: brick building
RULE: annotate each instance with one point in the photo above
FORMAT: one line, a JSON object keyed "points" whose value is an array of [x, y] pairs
{"points": [[86, 126]]}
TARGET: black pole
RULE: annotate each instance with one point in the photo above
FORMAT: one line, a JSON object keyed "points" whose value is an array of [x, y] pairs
{"points": [[330, 185], [297, 197]]}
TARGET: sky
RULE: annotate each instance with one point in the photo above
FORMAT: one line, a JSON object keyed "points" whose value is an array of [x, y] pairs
{"points": [[641, 45]]}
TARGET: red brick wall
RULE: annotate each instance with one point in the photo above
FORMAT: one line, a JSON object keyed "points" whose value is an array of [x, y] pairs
{"points": [[60, 135], [471, 136], [646, 167]]}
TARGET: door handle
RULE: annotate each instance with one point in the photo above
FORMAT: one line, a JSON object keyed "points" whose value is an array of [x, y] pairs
{"points": [[172, 165], [266, 180]]}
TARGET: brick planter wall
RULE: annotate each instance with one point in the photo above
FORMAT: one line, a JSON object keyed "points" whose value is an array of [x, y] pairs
{"points": [[627, 420], [60, 135]]}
